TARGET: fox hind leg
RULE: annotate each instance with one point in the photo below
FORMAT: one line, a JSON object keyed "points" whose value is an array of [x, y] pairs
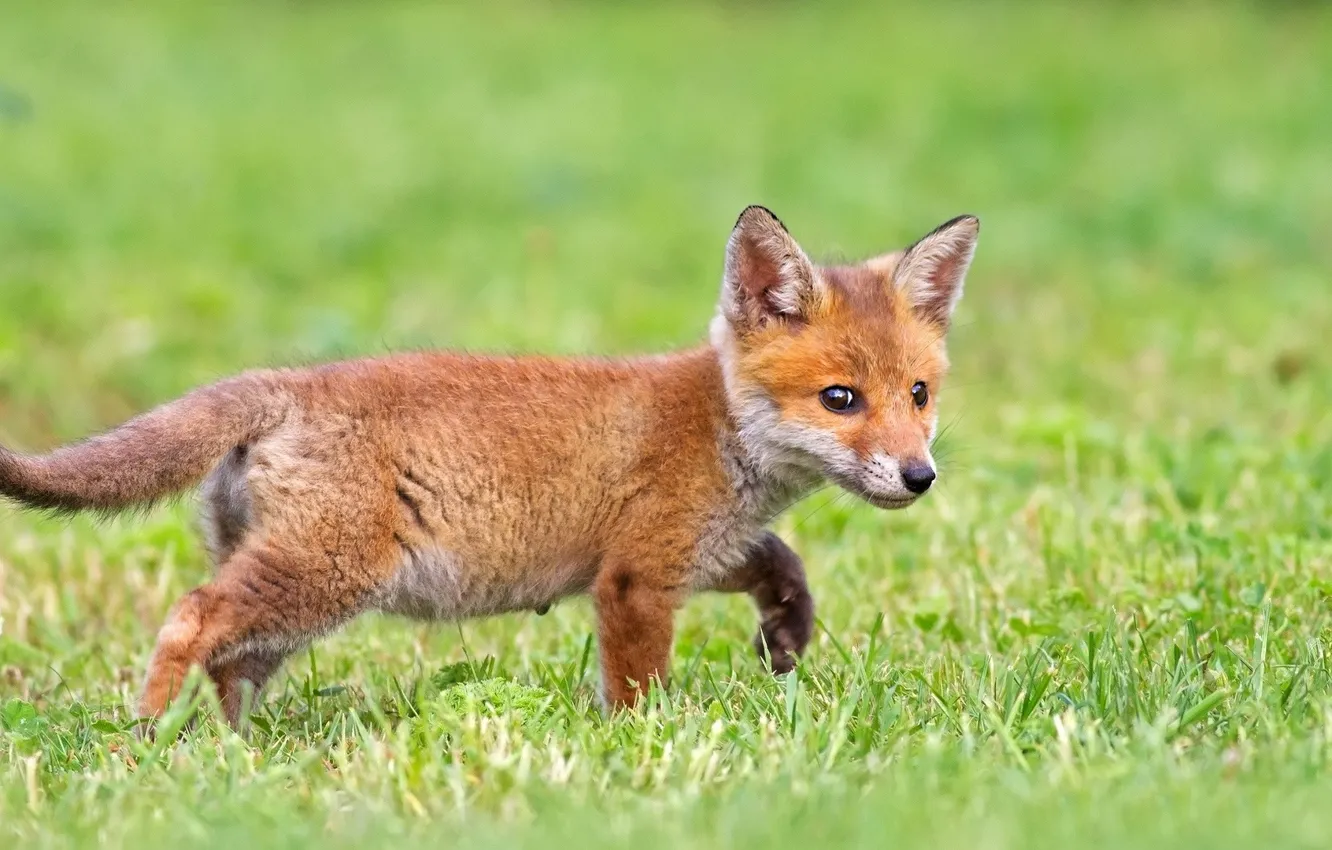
{"points": [[264, 603], [241, 680]]}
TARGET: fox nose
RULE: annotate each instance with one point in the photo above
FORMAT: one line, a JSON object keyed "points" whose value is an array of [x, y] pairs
{"points": [[917, 477]]}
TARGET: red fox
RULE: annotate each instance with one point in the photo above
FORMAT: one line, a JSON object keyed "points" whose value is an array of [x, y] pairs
{"points": [[446, 486]]}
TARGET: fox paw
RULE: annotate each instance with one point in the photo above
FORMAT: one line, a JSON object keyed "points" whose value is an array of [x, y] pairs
{"points": [[785, 632]]}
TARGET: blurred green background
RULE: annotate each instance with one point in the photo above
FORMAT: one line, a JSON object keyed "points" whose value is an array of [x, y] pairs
{"points": [[1135, 499]]}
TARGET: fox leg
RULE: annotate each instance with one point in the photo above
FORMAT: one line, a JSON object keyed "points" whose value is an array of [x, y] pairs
{"points": [[635, 629], [241, 680], [265, 603], [774, 576]]}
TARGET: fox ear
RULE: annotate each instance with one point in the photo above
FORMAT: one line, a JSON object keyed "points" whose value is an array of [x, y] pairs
{"points": [[767, 275], [932, 271]]}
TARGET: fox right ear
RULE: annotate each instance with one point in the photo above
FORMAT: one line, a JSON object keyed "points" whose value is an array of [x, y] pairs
{"points": [[767, 275]]}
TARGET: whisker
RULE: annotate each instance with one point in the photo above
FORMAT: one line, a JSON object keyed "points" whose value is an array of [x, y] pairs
{"points": [[784, 508], [839, 497]]}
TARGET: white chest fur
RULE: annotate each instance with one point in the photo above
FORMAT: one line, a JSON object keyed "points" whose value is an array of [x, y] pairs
{"points": [[723, 547], [729, 536]]}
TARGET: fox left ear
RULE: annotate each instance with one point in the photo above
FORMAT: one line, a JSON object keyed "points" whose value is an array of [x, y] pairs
{"points": [[932, 271]]}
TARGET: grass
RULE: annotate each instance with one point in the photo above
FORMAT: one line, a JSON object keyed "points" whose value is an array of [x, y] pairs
{"points": [[1108, 625]]}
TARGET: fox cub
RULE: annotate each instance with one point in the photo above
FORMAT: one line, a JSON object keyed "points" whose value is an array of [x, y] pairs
{"points": [[445, 486]]}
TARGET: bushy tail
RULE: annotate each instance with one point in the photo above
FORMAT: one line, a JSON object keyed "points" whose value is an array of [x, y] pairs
{"points": [[157, 454]]}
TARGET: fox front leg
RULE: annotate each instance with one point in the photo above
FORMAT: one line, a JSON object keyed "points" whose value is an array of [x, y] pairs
{"points": [[635, 629], [774, 577]]}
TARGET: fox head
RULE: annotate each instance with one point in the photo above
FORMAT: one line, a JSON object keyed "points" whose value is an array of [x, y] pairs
{"points": [[834, 372]]}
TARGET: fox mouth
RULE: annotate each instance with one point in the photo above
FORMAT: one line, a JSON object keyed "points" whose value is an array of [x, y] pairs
{"points": [[878, 500], [889, 503]]}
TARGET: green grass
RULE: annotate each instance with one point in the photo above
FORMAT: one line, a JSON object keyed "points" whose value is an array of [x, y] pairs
{"points": [[1108, 626]]}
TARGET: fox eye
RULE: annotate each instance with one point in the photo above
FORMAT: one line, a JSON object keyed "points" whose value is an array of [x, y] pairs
{"points": [[838, 399], [920, 394]]}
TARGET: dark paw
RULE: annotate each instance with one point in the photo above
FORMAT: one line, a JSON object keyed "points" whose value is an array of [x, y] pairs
{"points": [[785, 632]]}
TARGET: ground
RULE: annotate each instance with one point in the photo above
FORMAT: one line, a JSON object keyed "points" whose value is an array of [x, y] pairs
{"points": [[1106, 627]]}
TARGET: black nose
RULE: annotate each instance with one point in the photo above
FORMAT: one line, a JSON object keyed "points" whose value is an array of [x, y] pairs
{"points": [[917, 477]]}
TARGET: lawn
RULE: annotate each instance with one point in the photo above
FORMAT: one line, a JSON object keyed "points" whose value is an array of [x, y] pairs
{"points": [[1106, 627]]}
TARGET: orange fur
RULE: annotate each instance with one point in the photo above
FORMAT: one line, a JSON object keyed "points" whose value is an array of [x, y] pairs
{"points": [[445, 486]]}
